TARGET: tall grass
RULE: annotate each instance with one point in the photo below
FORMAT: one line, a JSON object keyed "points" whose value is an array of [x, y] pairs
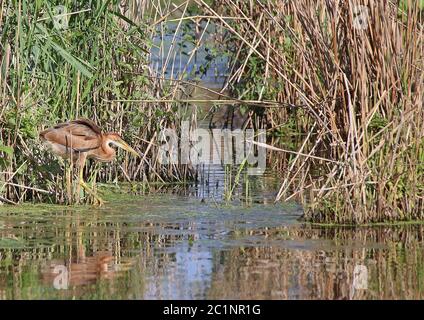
{"points": [[349, 76], [339, 84], [92, 61]]}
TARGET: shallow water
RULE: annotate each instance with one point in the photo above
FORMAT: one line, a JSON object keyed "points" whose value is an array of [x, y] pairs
{"points": [[188, 244]]}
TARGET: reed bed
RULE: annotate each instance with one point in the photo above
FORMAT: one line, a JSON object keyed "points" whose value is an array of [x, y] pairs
{"points": [[349, 77], [62, 60], [339, 84]]}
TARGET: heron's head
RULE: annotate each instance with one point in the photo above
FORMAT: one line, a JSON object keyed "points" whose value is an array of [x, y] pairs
{"points": [[114, 138]]}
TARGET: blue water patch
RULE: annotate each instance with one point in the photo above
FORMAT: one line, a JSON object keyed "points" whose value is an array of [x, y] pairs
{"points": [[172, 55]]}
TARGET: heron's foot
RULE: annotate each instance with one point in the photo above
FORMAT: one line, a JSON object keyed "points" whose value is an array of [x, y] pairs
{"points": [[97, 200]]}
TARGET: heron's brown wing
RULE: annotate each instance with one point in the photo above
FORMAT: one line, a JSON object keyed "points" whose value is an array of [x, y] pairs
{"points": [[80, 127], [74, 136], [88, 124]]}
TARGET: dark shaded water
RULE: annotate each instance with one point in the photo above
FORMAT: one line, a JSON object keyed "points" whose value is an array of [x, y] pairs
{"points": [[187, 243]]}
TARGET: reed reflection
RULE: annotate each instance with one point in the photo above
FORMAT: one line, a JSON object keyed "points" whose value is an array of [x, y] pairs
{"points": [[168, 251], [374, 263]]}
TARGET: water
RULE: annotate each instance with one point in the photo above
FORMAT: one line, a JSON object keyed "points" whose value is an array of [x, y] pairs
{"points": [[197, 53], [190, 52], [190, 243], [184, 243]]}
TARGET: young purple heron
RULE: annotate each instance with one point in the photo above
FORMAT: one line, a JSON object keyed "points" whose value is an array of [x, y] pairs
{"points": [[80, 140]]}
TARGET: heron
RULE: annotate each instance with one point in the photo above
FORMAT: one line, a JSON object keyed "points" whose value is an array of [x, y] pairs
{"points": [[81, 139]]}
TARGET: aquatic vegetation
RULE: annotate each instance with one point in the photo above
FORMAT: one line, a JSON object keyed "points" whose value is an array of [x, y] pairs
{"points": [[70, 59], [349, 78], [342, 104], [338, 88]]}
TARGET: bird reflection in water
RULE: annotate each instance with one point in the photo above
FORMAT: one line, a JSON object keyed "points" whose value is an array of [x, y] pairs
{"points": [[83, 271]]}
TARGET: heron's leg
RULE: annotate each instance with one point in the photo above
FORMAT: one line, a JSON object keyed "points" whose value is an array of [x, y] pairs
{"points": [[78, 188], [99, 200], [68, 178], [84, 185]]}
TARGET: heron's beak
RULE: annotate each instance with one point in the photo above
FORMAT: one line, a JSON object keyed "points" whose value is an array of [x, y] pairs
{"points": [[121, 143]]}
